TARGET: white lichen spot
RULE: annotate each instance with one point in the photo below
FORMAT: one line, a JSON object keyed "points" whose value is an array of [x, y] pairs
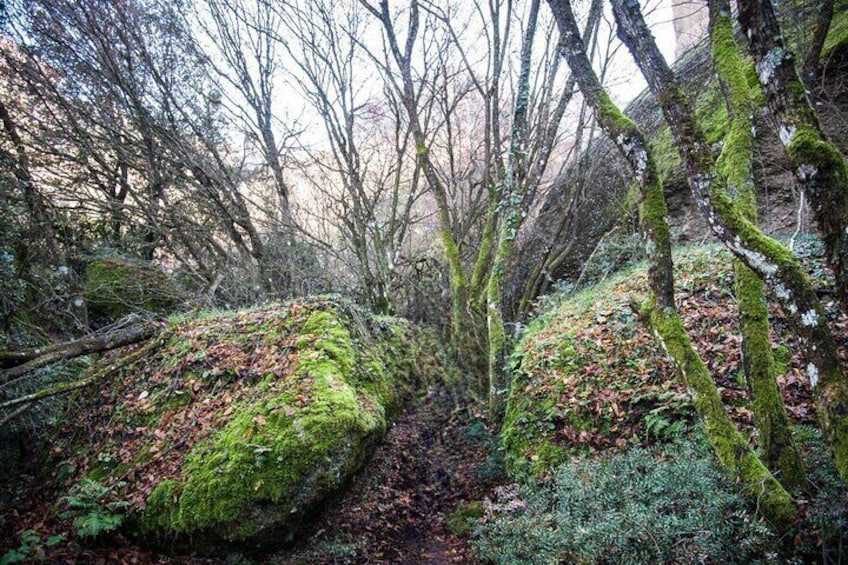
{"points": [[650, 247], [641, 158], [701, 185], [754, 259], [810, 318], [781, 292], [813, 374], [806, 172], [793, 309], [787, 134], [766, 67]]}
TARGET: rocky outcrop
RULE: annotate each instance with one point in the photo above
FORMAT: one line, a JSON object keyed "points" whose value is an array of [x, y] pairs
{"points": [[235, 427], [589, 199]]}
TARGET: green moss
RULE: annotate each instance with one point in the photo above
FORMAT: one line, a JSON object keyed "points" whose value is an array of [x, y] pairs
{"points": [[116, 286], [463, 518], [290, 446], [616, 120], [782, 356], [837, 36], [665, 154], [292, 400]]}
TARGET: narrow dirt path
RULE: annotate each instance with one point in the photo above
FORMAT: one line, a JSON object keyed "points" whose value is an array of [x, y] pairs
{"points": [[396, 508]]}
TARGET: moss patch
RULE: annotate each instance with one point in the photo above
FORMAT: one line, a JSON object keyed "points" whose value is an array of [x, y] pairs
{"points": [[588, 378], [116, 286], [240, 424]]}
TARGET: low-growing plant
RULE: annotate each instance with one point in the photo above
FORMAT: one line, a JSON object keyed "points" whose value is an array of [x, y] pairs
{"points": [[823, 531], [32, 548], [92, 511], [670, 505]]}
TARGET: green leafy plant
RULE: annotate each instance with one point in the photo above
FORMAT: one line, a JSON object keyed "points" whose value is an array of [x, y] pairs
{"points": [[661, 427], [93, 512], [671, 505], [823, 531], [31, 548]]}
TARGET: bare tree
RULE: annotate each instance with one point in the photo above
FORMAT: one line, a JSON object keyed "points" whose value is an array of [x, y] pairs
{"points": [[244, 35], [374, 195], [768, 258]]}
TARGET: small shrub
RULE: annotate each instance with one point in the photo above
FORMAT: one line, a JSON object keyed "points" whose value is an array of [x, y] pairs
{"points": [[823, 531], [93, 513], [641, 506], [31, 548]]}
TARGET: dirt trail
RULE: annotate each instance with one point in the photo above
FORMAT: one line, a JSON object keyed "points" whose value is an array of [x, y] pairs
{"points": [[396, 507]]}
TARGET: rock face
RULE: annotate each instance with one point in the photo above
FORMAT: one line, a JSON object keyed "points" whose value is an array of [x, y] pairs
{"points": [[589, 199], [116, 286], [235, 428], [690, 24]]}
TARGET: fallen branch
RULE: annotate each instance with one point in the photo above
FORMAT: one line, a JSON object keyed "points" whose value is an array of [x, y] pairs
{"points": [[94, 377], [20, 410], [27, 360]]}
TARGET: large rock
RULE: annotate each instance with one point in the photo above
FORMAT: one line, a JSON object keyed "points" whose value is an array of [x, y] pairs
{"points": [[238, 426], [116, 286]]}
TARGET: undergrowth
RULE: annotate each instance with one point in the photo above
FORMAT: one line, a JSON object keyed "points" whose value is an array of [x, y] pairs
{"points": [[669, 505]]}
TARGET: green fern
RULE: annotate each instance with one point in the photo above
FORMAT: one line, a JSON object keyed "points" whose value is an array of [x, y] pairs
{"points": [[94, 514]]}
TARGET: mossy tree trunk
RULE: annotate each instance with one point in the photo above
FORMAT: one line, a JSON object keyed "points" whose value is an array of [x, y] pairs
{"points": [[465, 321], [527, 161], [734, 164], [818, 165], [660, 312], [512, 200], [773, 262]]}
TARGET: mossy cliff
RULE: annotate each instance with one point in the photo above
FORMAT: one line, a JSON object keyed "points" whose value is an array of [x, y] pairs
{"points": [[237, 426]]}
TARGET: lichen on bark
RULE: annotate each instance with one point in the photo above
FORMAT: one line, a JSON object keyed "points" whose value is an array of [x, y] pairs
{"points": [[734, 163], [659, 311]]}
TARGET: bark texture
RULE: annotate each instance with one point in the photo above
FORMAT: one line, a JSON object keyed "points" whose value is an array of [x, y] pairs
{"points": [[512, 198], [734, 164], [773, 262], [818, 165], [660, 312]]}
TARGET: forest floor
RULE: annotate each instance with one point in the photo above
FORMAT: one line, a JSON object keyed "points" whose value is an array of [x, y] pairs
{"points": [[398, 506], [396, 509]]}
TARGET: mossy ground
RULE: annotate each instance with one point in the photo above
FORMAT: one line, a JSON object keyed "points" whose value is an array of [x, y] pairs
{"points": [[239, 424], [587, 377]]}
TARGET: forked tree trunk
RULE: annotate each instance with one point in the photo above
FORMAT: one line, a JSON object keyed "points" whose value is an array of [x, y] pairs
{"points": [[512, 198], [734, 164], [818, 165], [773, 262], [660, 312]]}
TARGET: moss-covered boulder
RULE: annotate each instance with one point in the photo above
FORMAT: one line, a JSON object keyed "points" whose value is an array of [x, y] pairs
{"points": [[587, 377], [236, 427], [116, 286]]}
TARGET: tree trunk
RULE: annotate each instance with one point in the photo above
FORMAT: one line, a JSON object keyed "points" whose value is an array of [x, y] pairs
{"points": [[24, 361], [769, 259], [775, 434], [512, 200], [660, 312], [818, 165], [464, 320]]}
